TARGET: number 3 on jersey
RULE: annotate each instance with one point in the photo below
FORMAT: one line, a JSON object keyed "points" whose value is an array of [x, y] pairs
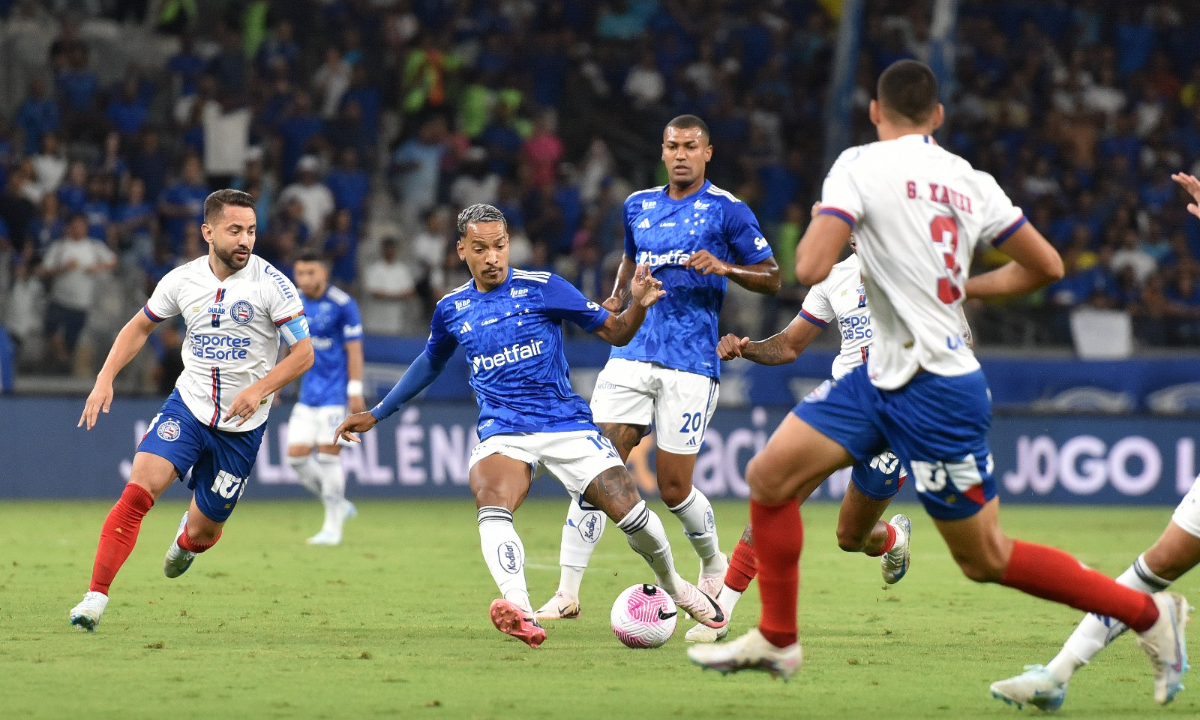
{"points": [[944, 231]]}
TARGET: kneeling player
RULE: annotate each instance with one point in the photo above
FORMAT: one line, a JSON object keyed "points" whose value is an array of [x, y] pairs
{"points": [[839, 299], [236, 307], [509, 323]]}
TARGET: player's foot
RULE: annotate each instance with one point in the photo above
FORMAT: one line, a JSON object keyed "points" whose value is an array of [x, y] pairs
{"points": [[1037, 686], [705, 634], [348, 510], [86, 615], [701, 607], [749, 652], [511, 619], [710, 583], [178, 560], [560, 607], [1166, 645], [326, 537], [895, 561]]}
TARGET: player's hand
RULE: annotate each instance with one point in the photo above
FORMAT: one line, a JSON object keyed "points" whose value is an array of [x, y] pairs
{"points": [[356, 404], [244, 405], [98, 401], [1192, 185], [731, 346], [613, 304], [357, 423], [647, 289], [705, 263]]}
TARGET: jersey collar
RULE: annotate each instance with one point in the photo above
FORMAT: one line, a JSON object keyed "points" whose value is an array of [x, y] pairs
{"points": [[686, 199], [915, 138], [475, 289]]}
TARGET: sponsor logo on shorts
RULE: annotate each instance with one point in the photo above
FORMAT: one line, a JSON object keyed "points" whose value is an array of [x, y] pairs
{"points": [[169, 430], [242, 312], [819, 393], [510, 557]]}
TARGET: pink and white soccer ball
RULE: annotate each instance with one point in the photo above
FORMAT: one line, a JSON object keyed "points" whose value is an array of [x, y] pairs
{"points": [[644, 616]]}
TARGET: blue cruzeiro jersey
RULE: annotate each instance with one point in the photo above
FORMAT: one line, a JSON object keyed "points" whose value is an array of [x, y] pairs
{"points": [[680, 331], [513, 340], [333, 320]]}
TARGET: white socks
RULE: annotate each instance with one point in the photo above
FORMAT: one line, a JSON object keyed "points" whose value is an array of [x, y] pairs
{"points": [[696, 514], [648, 538], [333, 492], [504, 554], [584, 526], [306, 469], [1096, 632], [727, 598]]}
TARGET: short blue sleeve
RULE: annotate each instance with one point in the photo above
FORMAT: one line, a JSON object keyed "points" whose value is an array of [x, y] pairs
{"points": [[562, 301], [351, 322], [442, 343], [744, 235]]}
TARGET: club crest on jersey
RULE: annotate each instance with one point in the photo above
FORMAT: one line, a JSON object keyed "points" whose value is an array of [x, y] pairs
{"points": [[242, 312], [169, 430]]}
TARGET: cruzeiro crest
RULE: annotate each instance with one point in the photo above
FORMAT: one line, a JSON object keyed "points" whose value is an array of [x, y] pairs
{"points": [[242, 312]]}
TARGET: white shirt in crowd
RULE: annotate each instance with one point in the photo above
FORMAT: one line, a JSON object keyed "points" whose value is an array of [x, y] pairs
{"points": [[317, 201], [389, 316], [918, 213], [76, 287]]}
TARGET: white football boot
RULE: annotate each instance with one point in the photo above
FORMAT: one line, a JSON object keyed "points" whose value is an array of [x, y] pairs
{"points": [[894, 562], [705, 634], [710, 583], [1037, 686], [560, 607], [1166, 645], [178, 560], [701, 607], [327, 536], [86, 615], [749, 652]]}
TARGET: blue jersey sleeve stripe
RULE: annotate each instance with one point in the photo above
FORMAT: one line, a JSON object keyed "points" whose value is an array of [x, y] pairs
{"points": [[838, 213], [813, 319], [152, 316], [1007, 232]]}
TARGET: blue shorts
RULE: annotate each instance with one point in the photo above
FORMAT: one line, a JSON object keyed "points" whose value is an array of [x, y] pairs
{"points": [[880, 478], [936, 425], [220, 461]]}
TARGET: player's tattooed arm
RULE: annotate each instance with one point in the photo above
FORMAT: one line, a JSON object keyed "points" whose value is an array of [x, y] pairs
{"points": [[761, 277], [779, 349], [620, 293], [646, 290], [614, 492]]}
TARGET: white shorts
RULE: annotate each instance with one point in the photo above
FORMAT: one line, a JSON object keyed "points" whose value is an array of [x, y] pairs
{"points": [[1187, 513], [575, 458], [680, 404], [312, 426]]}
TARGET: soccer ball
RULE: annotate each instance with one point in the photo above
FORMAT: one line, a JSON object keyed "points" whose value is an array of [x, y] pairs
{"points": [[644, 616]]}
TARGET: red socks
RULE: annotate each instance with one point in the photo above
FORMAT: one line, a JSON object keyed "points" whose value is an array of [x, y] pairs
{"points": [[742, 567], [191, 545], [1054, 575], [778, 539], [887, 544], [119, 535]]}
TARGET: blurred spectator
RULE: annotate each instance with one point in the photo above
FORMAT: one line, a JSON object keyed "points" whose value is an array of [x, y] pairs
{"points": [[476, 183], [391, 291], [417, 164], [72, 193], [49, 165], [298, 131], [315, 199], [135, 221], [543, 151], [126, 111], [341, 249], [350, 185], [24, 313], [428, 249], [331, 81], [72, 265], [37, 115], [48, 225], [182, 204], [150, 163], [97, 209]]}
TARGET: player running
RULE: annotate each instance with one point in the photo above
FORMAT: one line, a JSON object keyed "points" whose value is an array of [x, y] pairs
{"points": [[334, 381], [919, 214], [236, 307], [838, 299], [694, 237], [509, 324], [1173, 554]]}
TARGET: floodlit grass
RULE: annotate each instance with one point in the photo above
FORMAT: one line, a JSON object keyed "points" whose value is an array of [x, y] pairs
{"points": [[394, 624]]}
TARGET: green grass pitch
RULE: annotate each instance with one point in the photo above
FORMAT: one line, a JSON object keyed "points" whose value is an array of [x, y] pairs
{"points": [[394, 624]]}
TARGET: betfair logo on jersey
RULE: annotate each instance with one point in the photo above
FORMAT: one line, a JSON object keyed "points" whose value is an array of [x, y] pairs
{"points": [[644, 224], [219, 347], [657, 260], [508, 356]]}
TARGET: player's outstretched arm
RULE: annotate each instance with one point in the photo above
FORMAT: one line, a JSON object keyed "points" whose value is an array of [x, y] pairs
{"points": [[620, 292], [820, 248], [1035, 264], [423, 371], [761, 277], [129, 341], [620, 329], [299, 359], [779, 349]]}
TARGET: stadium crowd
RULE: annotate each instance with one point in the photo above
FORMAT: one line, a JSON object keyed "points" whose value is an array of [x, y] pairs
{"points": [[361, 126]]}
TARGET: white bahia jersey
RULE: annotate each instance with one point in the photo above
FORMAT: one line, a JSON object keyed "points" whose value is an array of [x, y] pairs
{"points": [[233, 333], [918, 213], [840, 297]]}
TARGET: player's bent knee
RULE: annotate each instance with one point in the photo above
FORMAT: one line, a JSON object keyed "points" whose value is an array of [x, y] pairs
{"points": [[850, 541], [983, 568]]}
